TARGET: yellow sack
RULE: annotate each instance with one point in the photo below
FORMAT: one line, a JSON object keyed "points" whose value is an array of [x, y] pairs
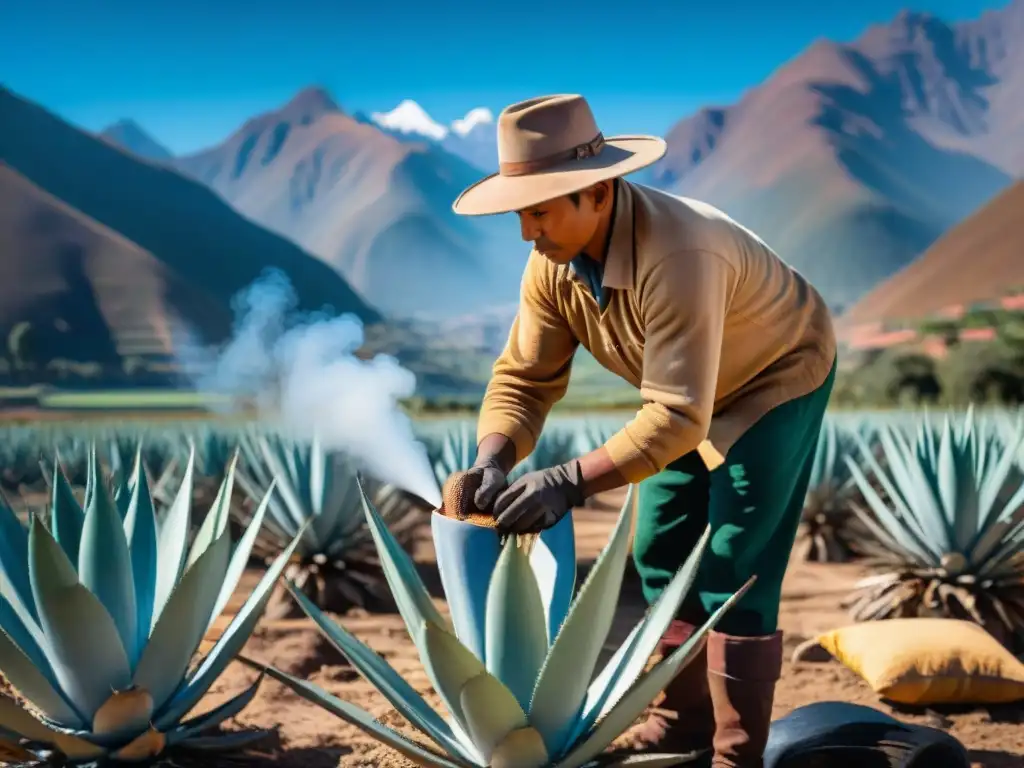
{"points": [[928, 661]]}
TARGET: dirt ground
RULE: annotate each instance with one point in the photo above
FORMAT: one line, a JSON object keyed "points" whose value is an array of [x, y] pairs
{"points": [[305, 736]]}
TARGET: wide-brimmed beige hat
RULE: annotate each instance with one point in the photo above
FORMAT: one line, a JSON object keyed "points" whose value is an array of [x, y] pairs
{"points": [[551, 146]]}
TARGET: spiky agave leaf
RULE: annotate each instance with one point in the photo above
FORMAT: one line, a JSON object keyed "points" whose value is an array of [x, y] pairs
{"points": [[947, 527], [467, 552], [335, 562], [542, 710], [101, 616]]}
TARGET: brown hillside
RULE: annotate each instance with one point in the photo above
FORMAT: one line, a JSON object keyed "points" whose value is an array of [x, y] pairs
{"points": [[980, 259], [78, 300], [184, 225], [852, 159]]}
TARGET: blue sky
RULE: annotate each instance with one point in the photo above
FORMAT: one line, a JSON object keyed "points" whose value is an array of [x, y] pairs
{"points": [[191, 71]]}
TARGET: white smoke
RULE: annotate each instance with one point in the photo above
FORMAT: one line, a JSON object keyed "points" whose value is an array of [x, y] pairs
{"points": [[302, 371]]}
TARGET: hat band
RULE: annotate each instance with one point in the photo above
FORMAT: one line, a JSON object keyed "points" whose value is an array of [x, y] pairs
{"points": [[591, 148]]}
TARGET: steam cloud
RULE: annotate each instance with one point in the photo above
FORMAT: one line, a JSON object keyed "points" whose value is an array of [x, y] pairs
{"points": [[303, 372]]}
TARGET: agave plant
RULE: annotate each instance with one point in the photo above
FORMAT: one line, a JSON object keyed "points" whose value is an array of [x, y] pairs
{"points": [[947, 527], [335, 563], [827, 532], [101, 614], [526, 701]]}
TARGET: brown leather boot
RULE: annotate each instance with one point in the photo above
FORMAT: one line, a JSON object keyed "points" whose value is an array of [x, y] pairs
{"points": [[742, 672], [682, 721]]}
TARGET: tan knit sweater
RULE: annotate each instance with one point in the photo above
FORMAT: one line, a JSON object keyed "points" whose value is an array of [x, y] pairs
{"points": [[711, 326]]}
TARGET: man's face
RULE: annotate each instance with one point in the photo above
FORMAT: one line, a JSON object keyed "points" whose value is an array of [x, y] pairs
{"points": [[560, 229]]}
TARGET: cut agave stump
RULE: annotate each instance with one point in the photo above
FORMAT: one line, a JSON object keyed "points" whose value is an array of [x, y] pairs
{"points": [[457, 495]]}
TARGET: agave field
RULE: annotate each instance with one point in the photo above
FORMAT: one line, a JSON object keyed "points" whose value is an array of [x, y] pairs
{"points": [[123, 545]]}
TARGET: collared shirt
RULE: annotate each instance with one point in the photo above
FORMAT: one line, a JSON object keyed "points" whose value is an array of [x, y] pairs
{"points": [[693, 309], [592, 273], [592, 270]]}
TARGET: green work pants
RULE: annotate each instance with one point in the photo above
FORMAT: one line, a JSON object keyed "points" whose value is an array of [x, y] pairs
{"points": [[753, 503]]}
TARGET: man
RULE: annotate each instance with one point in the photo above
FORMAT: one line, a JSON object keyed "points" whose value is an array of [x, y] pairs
{"points": [[734, 355]]}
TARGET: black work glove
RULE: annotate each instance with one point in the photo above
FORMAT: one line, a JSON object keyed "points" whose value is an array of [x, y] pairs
{"points": [[538, 500], [492, 482]]}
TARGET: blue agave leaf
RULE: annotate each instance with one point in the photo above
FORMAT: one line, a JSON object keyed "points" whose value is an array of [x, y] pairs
{"points": [[82, 640], [900, 522], [122, 495], [140, 528], [89, 482], [363, 720], [225, 742], [629, 660], [196, 725], [558, 699], [516, 628], [300, 462], [466, 556], [318, 479], [182, 624], [953, 484], [1004, 539], [331, 484], [253, 463], [917, 481], [1005, 467], [105, 565], [554, 562], [348, 508], [66, 515], [216, 520], [642, 692], [172, 540], [402, 696], [25, 633], [14, 561], [276, 457], [35, 685], [411, 595], [229, 644], [277, 522], [240, 557]]}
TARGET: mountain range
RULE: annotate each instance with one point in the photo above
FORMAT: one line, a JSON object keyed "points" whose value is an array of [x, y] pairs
{"points": [[851, 160], [374, 207], [108, 257]]}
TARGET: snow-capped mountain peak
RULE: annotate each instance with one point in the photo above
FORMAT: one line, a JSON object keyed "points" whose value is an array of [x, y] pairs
{"points": [[473, 118], [410, 117], [471, 137]]}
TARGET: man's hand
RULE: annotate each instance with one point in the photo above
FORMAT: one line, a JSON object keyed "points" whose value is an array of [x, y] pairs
{"points": [[491, 477], [538, 500], [472, 491]]}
